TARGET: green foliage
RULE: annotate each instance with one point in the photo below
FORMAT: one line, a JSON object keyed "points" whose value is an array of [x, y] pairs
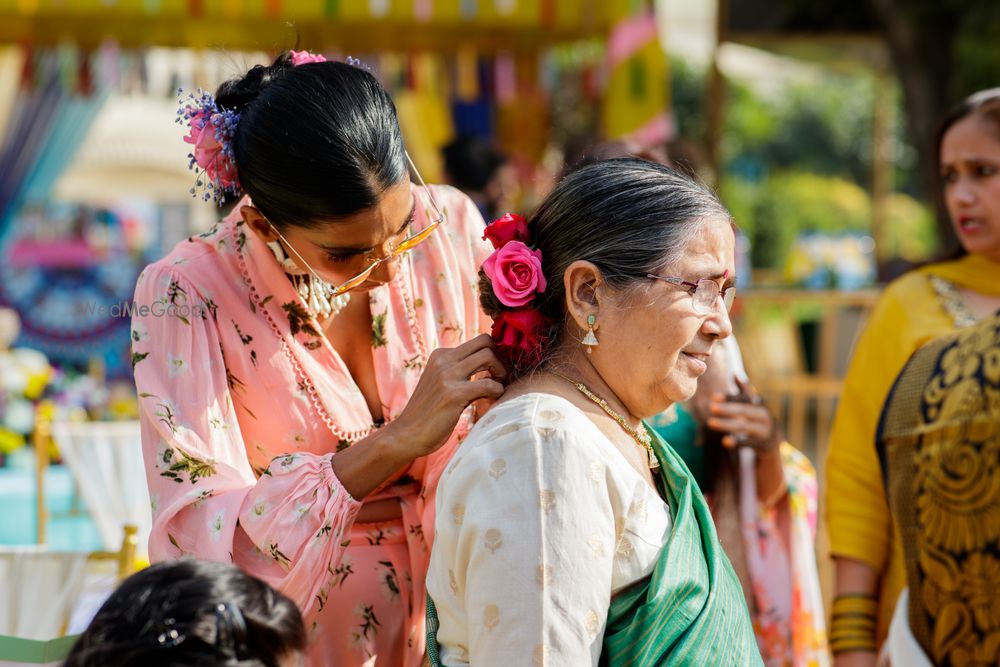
{"points": [[774, 212], [687, 97], [800, 160], [910, 230], [824, 127], [790, 203], [977, 48], [740, 197]]}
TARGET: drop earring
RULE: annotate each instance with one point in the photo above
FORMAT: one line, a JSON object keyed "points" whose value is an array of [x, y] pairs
{"points": [[316, 293], [590, 340]]}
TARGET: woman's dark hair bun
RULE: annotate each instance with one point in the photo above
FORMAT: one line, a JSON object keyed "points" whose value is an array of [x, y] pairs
{"points": [[236, 94], [488, 301]]}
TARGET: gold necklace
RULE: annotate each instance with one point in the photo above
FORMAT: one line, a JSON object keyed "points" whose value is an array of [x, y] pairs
{"points": [[642, 438]]}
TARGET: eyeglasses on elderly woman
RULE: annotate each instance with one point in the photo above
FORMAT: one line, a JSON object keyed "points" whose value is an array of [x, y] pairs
{"points": [[703, 293]]}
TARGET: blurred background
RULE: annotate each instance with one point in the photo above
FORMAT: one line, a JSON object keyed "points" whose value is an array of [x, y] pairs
{"points": [[812, 118]]}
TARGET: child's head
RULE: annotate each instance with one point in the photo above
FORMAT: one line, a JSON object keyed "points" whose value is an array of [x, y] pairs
{"points": [[190, 613]]}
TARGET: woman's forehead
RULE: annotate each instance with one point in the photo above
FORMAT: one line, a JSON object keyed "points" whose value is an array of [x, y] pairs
{"points": [[371, 226], [971, 135], [710, 250]]}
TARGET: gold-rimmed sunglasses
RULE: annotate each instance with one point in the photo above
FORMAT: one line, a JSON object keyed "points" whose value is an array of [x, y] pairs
{"points": [[396, 250]]}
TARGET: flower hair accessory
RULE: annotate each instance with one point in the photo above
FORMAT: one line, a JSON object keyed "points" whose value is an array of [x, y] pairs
{"points": [[515, 273], [508, 228], [305, 57], [211, 131]]}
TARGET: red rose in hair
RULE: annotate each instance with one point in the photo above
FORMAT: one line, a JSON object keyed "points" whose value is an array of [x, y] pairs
{"points": [[520, 334], [511, 227]]}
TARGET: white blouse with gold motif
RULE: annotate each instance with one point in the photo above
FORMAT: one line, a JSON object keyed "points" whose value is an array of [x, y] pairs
{"points": [[540, 520]]}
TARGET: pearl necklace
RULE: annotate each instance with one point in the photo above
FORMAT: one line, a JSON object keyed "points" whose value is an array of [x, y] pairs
{"points": [[641, 437], [316, 293]]}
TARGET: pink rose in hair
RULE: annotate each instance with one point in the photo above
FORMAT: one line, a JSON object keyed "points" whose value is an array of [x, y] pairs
{"points": [[510, 227], [303, 57], [520, 335], [515, 270], [208, 153]]}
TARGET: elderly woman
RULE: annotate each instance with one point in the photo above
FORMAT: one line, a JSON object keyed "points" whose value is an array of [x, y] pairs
{"points": [[566, 535]]}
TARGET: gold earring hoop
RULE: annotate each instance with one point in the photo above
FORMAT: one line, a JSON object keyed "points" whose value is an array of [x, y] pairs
{"points": [[590, 340]]}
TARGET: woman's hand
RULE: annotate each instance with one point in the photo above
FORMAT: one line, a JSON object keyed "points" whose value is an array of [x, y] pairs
{"points": [[444, 391], [745, 420], [453, 379]]}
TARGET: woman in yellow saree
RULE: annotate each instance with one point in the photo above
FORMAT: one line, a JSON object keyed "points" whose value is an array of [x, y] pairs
{"points": [[918, 307]]}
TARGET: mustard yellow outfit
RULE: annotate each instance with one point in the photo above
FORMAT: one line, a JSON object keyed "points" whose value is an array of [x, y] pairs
{"points": [[913, 310], [939, 443]]}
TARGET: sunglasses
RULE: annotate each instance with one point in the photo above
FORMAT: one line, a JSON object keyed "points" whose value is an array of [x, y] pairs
{"points": [[396, 250]]}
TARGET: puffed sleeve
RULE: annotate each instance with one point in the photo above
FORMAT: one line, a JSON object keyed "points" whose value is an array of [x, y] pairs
{"points": [[536, 543], [286, 526]]}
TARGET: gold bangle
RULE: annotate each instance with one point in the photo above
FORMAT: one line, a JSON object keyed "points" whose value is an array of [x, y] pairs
{"points": [[867, 647], [861, 622], [855, 602], [854, 621]]}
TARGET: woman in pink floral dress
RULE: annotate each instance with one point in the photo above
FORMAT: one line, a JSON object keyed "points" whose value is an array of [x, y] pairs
{"points": [[304, 366]]}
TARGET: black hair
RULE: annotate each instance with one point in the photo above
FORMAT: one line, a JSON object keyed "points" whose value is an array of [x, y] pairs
{"points": [[986, 105], [191, 613], [471, 162], [628, 216], [315, 142]]}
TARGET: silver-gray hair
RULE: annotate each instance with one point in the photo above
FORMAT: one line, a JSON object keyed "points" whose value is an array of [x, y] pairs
{"points": [[628, 217]]}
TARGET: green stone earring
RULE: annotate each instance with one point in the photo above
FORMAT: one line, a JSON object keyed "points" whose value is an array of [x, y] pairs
{"points": [[590, 340]]}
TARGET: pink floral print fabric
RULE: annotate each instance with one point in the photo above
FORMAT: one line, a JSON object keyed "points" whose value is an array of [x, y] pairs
{"points": [[244, 403]]}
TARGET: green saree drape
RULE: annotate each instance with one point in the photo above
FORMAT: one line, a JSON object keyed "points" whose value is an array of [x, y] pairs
{"points": [[690, 610]]}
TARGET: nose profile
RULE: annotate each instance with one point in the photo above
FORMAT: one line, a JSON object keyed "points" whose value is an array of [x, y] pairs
{"points": [[718, 325], [386, 271]]}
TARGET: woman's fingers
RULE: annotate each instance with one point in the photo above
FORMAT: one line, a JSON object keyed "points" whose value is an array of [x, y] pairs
{"points": [[745, 422], [747, 411], [484, 388], [473, 345], [484, 359], [746, 388], [737, 425]]}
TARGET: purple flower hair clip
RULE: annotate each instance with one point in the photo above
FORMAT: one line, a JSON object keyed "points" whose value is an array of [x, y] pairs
{"points": [[211, 132], [354, 62]]}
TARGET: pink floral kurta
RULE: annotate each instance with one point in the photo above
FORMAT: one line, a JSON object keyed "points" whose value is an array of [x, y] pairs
{"points": [[244, 403], [789, 619]]}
